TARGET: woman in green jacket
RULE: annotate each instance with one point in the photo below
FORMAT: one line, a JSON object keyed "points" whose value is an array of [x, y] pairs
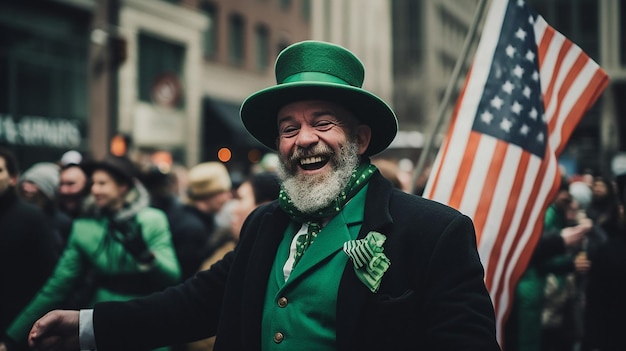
{"points": [[122, 242]]}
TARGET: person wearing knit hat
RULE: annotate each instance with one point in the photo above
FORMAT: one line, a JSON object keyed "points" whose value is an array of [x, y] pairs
{"points": [[342, 260], [40, 178], [38, 185]]}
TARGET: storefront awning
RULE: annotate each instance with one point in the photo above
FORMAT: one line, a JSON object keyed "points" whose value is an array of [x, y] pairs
{"points": [[227, 114]]}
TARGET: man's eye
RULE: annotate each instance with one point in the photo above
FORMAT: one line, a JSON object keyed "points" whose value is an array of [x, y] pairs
{"points": [[288, 131], [324, 125]]}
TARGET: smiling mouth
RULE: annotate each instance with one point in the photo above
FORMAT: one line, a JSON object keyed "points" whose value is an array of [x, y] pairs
{"points": [[313, 163]]}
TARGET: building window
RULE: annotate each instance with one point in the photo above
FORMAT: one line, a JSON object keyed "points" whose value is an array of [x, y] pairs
{"points": [[236, 40], [210, 35], [262, 47], [158, 59]]}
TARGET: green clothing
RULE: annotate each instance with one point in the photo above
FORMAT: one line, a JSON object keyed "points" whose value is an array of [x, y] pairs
{"points": [[303, 308], [529, 292], [91, 247]]}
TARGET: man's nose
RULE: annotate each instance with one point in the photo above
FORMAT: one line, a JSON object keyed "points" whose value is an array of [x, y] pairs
{"points": [[307, 136]]}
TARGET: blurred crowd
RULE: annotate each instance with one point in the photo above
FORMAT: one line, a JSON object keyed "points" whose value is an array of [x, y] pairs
{"points": [[77, 231], [571, 296]]}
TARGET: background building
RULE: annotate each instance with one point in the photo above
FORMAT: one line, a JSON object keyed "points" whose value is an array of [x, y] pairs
{"points": [[43, 78], [190, 65], [598, 27], [428, 40], [170, 75], [428, 37]]}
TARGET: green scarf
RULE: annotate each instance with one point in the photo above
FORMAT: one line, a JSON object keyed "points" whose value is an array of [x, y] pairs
{"points": [[360, 176]]}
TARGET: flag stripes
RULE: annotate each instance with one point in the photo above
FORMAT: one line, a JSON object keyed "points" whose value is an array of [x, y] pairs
{"points": [[505, 184]]}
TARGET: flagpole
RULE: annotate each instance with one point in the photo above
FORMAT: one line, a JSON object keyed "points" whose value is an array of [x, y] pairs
{"points": [[424, 155]]}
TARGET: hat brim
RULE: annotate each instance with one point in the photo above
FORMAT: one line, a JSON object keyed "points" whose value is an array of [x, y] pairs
{"points": [[91, 166], [259, 111]]}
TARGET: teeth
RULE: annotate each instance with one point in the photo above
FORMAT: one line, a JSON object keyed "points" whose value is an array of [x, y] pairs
{"points": [[309, 160]]}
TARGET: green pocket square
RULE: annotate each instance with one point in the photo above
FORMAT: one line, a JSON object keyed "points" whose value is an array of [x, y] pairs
{"points": [[370, 263]]}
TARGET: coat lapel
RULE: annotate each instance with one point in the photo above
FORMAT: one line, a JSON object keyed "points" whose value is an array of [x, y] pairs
{"points": [[352, 292], [257, 273]]}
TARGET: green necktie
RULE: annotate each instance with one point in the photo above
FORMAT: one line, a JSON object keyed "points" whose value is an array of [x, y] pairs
{"points": [[305, 240]]}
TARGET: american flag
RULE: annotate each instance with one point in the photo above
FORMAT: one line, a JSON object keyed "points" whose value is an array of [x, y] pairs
{"points": [[528, 88]]}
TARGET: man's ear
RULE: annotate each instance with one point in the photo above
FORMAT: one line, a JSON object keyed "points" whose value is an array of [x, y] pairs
{"points": [[363, 137]]}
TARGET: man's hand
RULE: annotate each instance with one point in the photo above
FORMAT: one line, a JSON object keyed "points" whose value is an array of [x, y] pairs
{"points": [[573, 236], [56, 331], [581, 262]]}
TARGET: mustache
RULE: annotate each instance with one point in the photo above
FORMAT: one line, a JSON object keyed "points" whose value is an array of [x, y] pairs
{"points": [[315, 150]]}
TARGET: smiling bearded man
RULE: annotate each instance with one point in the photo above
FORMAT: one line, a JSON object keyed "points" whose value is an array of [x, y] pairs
{"points": [[310, 193]]}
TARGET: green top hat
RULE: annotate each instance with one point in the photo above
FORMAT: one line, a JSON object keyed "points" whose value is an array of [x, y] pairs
{"points": [[318, 70]]}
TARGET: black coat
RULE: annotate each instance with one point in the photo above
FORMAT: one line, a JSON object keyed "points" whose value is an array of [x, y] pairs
{"points": [[191, 232], [433, 296], [29, 251], [605, 315]]}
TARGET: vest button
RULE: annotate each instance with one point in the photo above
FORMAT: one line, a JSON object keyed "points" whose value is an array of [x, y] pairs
{"points": [[282, 302], [278, 337]]}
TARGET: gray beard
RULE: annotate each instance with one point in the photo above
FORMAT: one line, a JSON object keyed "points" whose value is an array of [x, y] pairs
{"points": [[312, 193]]}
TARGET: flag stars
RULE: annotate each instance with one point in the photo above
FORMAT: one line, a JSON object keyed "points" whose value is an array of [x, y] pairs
{"points": [[540, 137], [496, 102], [516, 108], [510, 51], [535, 76], [508, 87], [526, 91], [486, 117], [533, 114], [520, 3], [518, 71], [506, 125], [530, 56], [524, 129], [520, 34]]}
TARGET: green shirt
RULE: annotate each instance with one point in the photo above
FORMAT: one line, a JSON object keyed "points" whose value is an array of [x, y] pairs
{"points": [[300, 313]]}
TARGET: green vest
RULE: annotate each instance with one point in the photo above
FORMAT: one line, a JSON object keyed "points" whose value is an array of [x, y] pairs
{"points": [[300, 313]]}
